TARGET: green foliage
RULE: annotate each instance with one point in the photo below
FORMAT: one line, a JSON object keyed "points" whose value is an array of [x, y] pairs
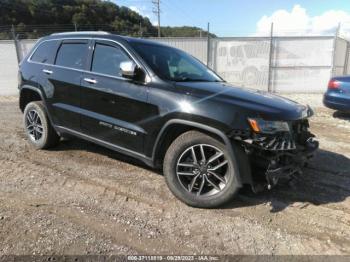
{"points": [[36, 18], [184, 31]]}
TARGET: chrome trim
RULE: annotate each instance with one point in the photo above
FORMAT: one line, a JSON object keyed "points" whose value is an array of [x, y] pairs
{"points": [[115, 77], [85, 71], [128, 68], [49, 72], [91, 81]]}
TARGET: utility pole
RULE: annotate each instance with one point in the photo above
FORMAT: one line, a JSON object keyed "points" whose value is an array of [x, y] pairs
{"points": [[156, 11], [208, 44], [337, 32]]}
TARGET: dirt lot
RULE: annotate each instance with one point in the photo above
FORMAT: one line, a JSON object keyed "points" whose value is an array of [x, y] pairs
{"points": [[83, 199]]}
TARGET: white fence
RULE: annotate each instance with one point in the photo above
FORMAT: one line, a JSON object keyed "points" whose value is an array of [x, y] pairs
{"points": [[8, 68], [278, 64], [287, 65], [241, 61], [193, 45], [301, 64]]}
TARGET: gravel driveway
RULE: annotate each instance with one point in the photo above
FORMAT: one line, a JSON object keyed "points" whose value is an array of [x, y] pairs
{"points": [[83, 199]]}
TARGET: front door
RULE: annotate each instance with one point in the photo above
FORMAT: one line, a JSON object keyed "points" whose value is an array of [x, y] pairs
{"points": [[113, 107]]}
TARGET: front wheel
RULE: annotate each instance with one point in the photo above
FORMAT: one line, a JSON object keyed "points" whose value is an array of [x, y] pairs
{"points": [[199, 170]]}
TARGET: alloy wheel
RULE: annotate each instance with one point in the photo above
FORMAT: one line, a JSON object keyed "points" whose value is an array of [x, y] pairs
{"points": [[34, 125], [203, 170]]}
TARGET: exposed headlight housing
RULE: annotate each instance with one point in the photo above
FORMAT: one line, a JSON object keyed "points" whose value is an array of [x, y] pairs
{"points": [[268, 127]]}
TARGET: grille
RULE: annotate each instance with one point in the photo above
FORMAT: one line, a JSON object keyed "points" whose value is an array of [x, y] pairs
{"points": [[276, 143]]}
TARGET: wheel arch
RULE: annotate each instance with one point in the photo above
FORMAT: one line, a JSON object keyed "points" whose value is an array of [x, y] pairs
{"points": [[175, 127], [29, 94]]}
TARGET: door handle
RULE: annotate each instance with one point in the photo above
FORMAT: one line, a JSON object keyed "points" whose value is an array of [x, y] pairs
{"points": [[90, 80], [48, 72]]}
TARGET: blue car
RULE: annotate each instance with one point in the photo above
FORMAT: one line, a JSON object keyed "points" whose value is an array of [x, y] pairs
{"points": [[338, 94]]}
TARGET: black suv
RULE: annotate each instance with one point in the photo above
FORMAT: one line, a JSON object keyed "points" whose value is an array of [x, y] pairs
{"points": [[165, 108]]}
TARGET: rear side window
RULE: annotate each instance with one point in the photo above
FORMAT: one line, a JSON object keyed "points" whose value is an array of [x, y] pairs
{"points": [[45, 52], [107, 59], [72, 55]]}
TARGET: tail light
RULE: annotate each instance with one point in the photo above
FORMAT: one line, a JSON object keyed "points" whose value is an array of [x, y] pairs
{"points": [[333, 84]]}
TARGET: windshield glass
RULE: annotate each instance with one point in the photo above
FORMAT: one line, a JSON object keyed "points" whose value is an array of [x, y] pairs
{"points": [[173, 64]]}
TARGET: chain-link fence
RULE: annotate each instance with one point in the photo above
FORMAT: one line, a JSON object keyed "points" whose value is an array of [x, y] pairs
{"points": [[241, 61], [301, 64], [8, 68], [275, 64]]}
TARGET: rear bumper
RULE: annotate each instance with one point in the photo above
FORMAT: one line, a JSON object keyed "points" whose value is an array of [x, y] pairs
{"points": [[337, 101]]}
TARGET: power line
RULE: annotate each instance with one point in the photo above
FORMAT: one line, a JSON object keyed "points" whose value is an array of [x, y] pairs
{"points": [[156, 11]]}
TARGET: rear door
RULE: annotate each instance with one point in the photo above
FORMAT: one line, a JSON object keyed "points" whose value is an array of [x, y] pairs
{"points": [[113, 107], [64, 78], [34, 71]]}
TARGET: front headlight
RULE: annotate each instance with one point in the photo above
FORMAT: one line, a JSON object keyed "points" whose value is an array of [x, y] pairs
{"points": [[267, 127]]}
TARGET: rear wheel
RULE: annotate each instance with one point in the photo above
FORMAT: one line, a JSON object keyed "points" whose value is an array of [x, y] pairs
{"points": [[199, 170], [37, 126]]}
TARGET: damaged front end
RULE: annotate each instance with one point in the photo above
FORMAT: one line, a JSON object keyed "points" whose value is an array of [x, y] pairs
{"points": [[277, 152]]}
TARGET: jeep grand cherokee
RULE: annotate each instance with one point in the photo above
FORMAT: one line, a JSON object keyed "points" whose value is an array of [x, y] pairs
{"points": [[162, 106]]}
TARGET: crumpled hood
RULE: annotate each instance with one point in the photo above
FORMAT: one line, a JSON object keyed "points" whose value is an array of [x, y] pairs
{"points": [[257, 103]]}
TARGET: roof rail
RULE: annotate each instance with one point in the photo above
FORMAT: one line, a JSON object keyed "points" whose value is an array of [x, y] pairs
{"points": [[82, 33]]}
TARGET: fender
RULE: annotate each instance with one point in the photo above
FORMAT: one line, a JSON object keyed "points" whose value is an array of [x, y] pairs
{"points": [[35, 89], [32, 88], [209, 129], [40, 93]]}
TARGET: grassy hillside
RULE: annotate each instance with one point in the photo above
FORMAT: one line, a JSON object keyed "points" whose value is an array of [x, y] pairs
{"points": [[34, 18]]}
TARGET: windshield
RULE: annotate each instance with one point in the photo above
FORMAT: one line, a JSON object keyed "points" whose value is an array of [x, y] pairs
{"points": [[173, 64]]}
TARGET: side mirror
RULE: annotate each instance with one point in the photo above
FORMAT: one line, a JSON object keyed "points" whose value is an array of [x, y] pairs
{"points": [[128, 69]]}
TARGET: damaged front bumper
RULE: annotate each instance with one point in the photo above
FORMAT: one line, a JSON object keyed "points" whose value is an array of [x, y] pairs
{"points": [[282, 155], [287, 163]]}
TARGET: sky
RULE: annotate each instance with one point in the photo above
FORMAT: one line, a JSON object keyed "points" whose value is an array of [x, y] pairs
{"points": [[251, 17]]}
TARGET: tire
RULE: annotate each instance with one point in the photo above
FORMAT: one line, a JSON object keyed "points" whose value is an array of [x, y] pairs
{"points": [[178, 175], [37, 126]]}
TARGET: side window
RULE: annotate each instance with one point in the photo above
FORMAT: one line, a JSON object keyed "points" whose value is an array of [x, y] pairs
{"points": [[45, 52], [71, 55], [107, 59]]}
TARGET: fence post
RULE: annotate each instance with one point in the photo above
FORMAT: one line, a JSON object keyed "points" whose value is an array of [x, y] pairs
{"points": [[15, 41], [208, 44], [346, 62], [269, 78], [334, 51]]}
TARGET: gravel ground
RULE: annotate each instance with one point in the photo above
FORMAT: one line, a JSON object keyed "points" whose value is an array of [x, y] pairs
{"points": [[83, 199]]}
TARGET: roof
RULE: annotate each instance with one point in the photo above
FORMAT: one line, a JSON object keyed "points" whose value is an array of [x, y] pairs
{"points": [[105, 35]]}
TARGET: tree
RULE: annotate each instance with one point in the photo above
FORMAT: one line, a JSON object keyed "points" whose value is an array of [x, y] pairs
{"points": [[36, 18]]}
